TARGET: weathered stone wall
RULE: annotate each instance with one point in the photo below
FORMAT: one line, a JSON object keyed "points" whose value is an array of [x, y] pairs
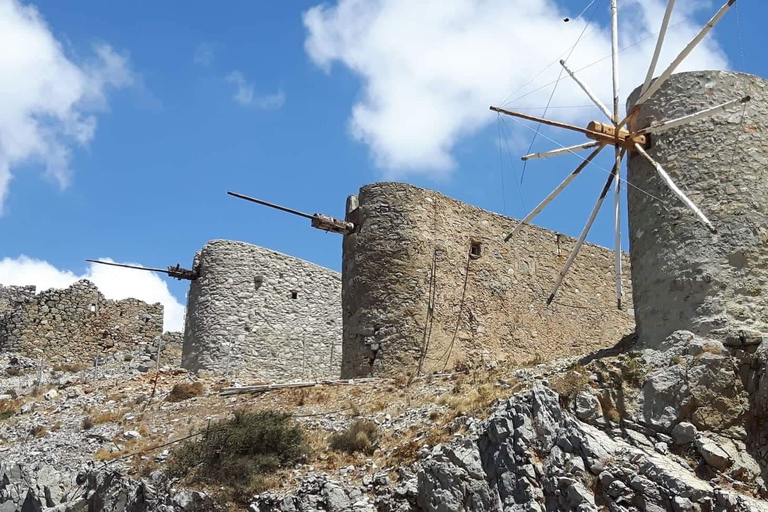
{"points": [[492, 307], [683, 276], [257, 313], [75, 324]]}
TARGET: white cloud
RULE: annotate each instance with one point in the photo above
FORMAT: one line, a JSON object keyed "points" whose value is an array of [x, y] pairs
{"points": [[205, 54], [246, 97], [430, 69], [46, 100], [114, 282]]}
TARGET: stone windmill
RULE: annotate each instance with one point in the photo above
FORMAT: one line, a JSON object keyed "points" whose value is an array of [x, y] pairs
{"points": [[661, 110]]}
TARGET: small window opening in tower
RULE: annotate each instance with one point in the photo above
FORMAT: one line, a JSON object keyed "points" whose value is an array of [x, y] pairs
{"points": [[294, 294], [475, 248]]}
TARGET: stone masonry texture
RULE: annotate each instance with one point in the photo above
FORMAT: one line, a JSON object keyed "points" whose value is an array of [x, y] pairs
{"points": [[683, 276], [75, 324], [260, 314], [484, 308]]}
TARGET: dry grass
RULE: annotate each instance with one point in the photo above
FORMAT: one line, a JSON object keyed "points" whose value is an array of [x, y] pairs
{"points": [[242, 453], [361, 436], [103, 417], [38, 431], [570, 384], [610, 412], [185, 390], [70, 367], [38, 391], [711, 349], [407, 451], [8, 408]]}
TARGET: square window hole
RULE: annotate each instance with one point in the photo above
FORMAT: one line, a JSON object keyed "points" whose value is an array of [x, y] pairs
{"points": [[475, 249], [294, 295]]}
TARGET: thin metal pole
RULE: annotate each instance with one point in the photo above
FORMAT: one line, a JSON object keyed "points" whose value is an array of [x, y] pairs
{"points": [[686, 51], [128, 266], [554, 193], [557, 124], [673, 123], [659, 44], [587, 90], [271, 205], [562, 151], [584, 232], [617, 151], [679, 193], [617, 229]]}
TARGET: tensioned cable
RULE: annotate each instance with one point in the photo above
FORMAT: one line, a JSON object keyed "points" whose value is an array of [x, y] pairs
{"points": [[501, 166], [592, 64], [560, 56], [507, 136], [551, 96]]}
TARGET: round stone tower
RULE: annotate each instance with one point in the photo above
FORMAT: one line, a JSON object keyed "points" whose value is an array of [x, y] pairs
{"points": [[683, 276]]}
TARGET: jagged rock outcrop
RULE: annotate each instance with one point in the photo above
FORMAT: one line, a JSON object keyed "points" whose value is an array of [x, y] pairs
{"points": [[658, 430], [33, 489]]}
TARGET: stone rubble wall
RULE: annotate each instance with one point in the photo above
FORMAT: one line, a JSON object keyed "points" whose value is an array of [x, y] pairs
{"points": [[683, 276], [259, 314], [11, 296], [500, 313], [76, 324]]}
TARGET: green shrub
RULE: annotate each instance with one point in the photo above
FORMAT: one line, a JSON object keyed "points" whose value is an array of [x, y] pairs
{"points": [[361, 436], [241, 451], [634, 370]]}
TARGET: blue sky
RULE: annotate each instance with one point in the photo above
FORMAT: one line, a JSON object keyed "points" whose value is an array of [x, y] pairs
{"points": [[300, 104]]}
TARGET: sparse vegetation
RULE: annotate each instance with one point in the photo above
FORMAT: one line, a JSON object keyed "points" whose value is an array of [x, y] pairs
{"points": [[87, 423], [102, 417], [361, 436], [634, 369], [38, 431], [711, 349], [570, 384], [70, 367], [676, 360], [185, 390], [535, 361], [8, 408], [241, 452]]}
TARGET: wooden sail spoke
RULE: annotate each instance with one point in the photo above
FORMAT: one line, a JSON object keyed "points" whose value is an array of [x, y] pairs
{"points": [[674, 123], [587, 91], [676, 62], [562, 151], [554, 193], [679, 193], [584, 232]]}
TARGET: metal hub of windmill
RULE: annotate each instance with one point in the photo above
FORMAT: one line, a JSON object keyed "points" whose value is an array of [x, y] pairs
{"points": [[623, 136]]}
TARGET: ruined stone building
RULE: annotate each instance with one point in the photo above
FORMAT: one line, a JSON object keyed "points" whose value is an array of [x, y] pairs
{"points": [[257, 313], [429, 281], [76, 324]]}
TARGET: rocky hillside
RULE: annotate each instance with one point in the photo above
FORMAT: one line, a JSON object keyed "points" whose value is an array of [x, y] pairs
{"points": [[625, 429]]}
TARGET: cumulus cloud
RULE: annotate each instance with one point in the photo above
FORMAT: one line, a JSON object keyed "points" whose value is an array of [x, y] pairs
{"points": [[47, 101], [245, 96], [114, 282], [430, 69]]}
